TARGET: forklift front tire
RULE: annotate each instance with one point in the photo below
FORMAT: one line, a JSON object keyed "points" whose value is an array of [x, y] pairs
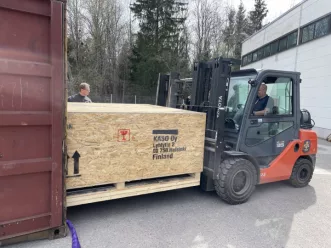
{"points": [[237, 180], [302, 173]]}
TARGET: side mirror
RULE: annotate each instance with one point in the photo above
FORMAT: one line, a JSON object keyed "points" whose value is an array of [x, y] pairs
{"points": [[252, 82]]}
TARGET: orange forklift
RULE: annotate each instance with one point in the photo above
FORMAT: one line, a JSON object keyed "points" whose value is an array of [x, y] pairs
{"points": [[244, 147]]}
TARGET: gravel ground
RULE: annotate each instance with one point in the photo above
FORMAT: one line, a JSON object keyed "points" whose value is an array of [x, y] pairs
{"points": [[277, 215]]}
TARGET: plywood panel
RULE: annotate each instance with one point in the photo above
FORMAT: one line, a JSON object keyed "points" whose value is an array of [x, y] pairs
{"points": [[122, 142], [123, 108], [135, 189]]}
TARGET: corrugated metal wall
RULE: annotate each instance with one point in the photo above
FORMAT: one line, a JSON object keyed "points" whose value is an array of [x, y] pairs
{"points": [[31, 116]]}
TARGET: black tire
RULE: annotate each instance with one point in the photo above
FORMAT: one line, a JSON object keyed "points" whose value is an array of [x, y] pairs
{"points": [[227, 186], [302, 173]]}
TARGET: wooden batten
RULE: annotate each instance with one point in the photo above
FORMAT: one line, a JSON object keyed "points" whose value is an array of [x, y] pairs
{"points": [[119, 143], [143, 187]]}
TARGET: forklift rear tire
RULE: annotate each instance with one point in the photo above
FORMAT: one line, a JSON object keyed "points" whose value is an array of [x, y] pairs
{"points": [[302, 173], [237, 180]]}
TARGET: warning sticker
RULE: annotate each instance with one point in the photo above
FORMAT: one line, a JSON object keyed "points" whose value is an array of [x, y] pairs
{"points": [[123, 135]]}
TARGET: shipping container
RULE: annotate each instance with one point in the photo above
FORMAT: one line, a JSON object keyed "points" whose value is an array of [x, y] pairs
{"points": [[32, 91]]}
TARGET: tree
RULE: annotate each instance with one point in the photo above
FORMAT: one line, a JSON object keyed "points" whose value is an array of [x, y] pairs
{"points": [[156, 47], [124, 67], [76, 48], [240, 29], [257, 16], [115, 41], [182, 54], [202, 28], [229, 32], [96, 36], [207, 28]]}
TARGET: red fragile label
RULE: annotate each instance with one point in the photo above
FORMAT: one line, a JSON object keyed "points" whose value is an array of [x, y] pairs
{"points": [[123, 135]]}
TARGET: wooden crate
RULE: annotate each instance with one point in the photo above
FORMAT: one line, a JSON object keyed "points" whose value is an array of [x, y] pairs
{"points": [[118, 143]]}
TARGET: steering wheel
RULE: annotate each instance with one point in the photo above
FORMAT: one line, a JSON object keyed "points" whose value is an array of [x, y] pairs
{"points": [[232, 123]]}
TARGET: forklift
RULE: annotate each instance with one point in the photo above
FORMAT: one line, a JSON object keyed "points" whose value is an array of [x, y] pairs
{"points": [[244, 147]]}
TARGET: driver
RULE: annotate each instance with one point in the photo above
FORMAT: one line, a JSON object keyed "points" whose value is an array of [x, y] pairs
{"points": [[263, 103]]}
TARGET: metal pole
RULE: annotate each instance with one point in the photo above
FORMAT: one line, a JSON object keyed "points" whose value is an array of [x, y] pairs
{"points": [[111, 98], [135, 99]]}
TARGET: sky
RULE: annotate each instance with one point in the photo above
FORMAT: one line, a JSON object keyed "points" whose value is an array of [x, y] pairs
{"points": [[275, 7]]}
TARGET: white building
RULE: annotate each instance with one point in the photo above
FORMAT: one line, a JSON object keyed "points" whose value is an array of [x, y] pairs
{"points": [[299, 40]]}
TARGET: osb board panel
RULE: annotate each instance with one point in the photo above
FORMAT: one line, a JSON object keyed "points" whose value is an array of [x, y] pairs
{"points": [[121, 108], [156, 145], [133, 190]]}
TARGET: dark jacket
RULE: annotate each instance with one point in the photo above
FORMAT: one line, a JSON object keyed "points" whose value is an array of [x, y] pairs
{"points": [[79, 98]]}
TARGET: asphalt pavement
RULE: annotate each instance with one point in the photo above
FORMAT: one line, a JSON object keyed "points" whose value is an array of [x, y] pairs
{"points": [[276, 216]]}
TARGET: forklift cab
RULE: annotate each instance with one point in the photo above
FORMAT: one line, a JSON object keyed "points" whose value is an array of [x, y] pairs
{"points": [[265, 135], [245, 145]]}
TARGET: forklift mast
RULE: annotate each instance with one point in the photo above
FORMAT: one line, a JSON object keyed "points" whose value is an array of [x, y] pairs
{"points": [[209, 94], [209, 91], [173, 92], [162, 90]]}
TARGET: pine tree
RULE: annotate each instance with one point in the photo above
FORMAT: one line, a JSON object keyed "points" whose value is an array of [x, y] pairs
{"points": [[156, 47], [257, 16], [240, 29]]}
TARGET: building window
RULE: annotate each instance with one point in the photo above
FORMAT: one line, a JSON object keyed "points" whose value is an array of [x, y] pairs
{"points": [[260, 54], [245, 60], [315, 30], [283, 44], [308, 33], [321, 28], [249, 58], [274, 47], [267, 51], [292, 39], [254, 56]]}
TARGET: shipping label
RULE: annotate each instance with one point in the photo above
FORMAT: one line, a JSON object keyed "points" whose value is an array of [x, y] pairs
{"points": [[165, 144]]}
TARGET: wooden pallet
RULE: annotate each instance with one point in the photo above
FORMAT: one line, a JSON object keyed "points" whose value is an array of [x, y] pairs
{"points": [[128, 189]]}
